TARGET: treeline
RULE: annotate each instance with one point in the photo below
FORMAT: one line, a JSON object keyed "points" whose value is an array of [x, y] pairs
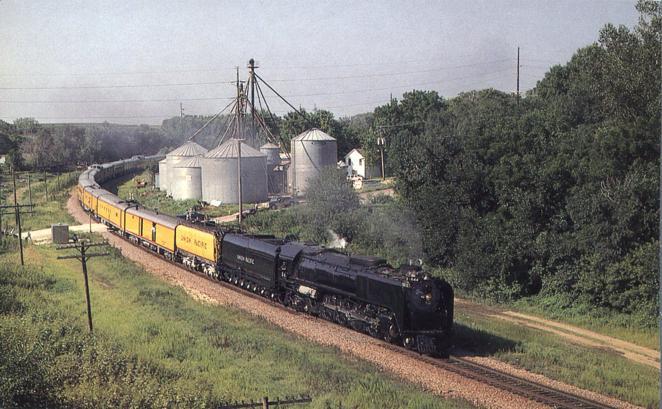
{"points": [[31, 145], [555, 192]]}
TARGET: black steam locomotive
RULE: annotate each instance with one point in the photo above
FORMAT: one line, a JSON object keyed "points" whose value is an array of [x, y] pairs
{"points": [[403, 305]]}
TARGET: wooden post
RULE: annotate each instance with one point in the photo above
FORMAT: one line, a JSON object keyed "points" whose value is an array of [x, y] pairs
{"points": [[87, 288], [1, 209], [241, 208], [29, 190], [18, 217], [265, 403], [46, 184], [82, 247]]}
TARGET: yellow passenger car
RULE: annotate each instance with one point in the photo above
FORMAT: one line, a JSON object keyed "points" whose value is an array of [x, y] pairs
{"points": [[197, 242], [132, 222], [158, 229], [111, 209]]}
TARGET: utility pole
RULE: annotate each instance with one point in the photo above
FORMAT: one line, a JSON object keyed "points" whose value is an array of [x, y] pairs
{"points": [[16, 210], [29, 190], [181, 118], [1, 233], [46, 184], [18, 215], [518, 75], [241, 206], [251, 79], [380, 143], [83, 256]]}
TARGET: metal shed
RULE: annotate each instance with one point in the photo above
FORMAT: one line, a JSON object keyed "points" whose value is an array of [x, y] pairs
{"points": [[219, 174]]}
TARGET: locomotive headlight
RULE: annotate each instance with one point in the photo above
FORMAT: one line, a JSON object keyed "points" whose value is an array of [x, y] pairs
{"points": [[427, 298]]}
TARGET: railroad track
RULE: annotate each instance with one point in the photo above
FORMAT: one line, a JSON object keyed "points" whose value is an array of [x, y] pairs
{"points": [[534, 391], [531, 390]]}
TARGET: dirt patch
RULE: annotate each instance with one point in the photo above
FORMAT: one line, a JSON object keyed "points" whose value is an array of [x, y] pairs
{"points": [[571, 333]]}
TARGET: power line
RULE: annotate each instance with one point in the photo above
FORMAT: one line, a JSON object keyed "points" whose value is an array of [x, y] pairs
{"points": [[94, 101], [449, 80], [377, 75], [391, 74], [118, 86], [192, 70]]}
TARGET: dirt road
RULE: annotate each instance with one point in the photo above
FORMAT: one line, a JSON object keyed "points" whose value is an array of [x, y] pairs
{"points": [[571, 333]]}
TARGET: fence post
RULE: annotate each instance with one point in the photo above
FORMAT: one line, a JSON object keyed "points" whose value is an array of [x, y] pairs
{"points": [[265, 403]]}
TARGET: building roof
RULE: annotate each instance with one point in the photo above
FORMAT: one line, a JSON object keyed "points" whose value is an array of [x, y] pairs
{"points": [[190, 148], [359, 151], [192, 162], [229, 150], [313, 134]]}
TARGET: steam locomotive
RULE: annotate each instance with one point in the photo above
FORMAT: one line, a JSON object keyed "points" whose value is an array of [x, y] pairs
{"points": [[400, 305]]}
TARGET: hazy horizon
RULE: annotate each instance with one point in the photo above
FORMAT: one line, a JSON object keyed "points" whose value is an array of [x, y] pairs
{"points": [[68, 61]]}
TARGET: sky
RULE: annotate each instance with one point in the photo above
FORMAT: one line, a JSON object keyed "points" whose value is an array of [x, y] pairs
{"points": [[136, 61]]}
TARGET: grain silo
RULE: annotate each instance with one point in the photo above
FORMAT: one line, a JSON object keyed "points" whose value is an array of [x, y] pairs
{"points": [[187, 179], [187, 150], [219, 174], [311, 151], [274, 169], [163, 175]]}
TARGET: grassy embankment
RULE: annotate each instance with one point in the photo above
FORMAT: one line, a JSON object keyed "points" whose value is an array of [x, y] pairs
{"points": [[154, 346]]}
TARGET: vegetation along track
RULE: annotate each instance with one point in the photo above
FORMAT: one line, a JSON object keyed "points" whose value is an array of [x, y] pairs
{"points": [[513, 385]]}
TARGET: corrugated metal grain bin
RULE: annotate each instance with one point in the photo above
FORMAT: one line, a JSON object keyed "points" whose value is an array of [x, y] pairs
{"points": [[312, 151], [187, 150], [187, 179], [163, 175], [219, 174], [275, 182]]}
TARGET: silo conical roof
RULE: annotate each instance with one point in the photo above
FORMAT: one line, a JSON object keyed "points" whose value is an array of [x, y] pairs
{"points": [[190, 148], [229, 150], [269, 145], [313, 134], [193, 162]]}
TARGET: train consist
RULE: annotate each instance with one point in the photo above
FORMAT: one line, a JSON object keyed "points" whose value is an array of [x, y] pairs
{"points": [[404, 305]]}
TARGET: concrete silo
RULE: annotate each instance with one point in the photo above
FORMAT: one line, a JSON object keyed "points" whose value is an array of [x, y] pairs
{"points": [[163, 175], [312, 151], [187, 179], [275, 174], [219, 174], [187, 150]]}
